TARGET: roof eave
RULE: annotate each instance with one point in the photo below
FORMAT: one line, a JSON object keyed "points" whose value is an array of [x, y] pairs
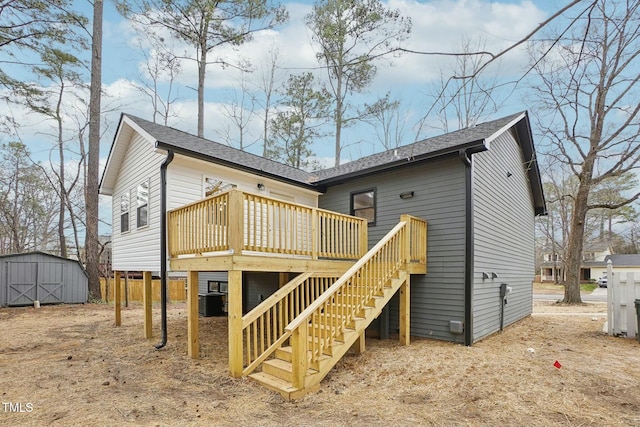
{"points": [[102, 189], [523, 127], [107, 181], [470, 147], [211, 159]]}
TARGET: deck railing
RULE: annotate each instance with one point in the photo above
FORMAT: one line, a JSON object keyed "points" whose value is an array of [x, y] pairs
{"points": [[263, 327], [315, 329], [238, 221], [417, 239]]}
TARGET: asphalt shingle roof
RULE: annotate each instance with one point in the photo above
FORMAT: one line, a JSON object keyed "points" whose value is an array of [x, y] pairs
{"points": [[472, 139], [186, 143], [624, 260], [430, 147]]}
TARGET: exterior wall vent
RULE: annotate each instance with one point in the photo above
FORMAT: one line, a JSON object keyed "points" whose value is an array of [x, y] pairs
{"points": [[456, 327]]}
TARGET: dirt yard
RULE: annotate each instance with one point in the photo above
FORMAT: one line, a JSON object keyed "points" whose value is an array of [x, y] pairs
{"points": [[69, 365]]}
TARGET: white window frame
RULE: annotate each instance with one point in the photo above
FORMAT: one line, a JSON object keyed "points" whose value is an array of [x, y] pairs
{"points": [[142, 205], [125, 211]]}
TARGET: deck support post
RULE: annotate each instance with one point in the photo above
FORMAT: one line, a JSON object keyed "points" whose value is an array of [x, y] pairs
{"points": [[359, 346], [192, 315], [235, 323], [117, 297], [299, 359], [283, 279], [405, 311], [147, 303]]}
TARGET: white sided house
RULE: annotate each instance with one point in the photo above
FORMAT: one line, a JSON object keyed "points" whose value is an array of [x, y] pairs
{"points": [[197, 169], [312, 260]]}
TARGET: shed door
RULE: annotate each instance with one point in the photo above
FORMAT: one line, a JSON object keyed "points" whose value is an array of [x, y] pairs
{"points": [[49, 290], [22, 283], [31, 281]]}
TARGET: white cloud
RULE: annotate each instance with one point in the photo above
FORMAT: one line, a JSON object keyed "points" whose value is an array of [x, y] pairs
{"points": [[440, 26], [437, 26]]}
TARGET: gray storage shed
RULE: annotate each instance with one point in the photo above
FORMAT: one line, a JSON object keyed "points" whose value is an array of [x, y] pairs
{"points": [[38, 276]]}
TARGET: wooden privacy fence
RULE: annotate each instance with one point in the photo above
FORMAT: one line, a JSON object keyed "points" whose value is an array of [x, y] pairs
{"points": [[176, 288], [622, 291]]}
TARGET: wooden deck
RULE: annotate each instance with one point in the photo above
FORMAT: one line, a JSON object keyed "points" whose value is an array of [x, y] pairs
{"points": [[238, 232], [235, 231]]}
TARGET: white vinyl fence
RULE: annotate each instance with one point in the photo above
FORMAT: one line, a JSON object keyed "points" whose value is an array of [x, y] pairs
{"points": [[622, 291]]}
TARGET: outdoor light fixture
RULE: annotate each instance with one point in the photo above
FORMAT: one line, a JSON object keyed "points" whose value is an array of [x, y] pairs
{"points": [[494, 275], [509, 174], [484, 276], [406, 195], [260, 186]]}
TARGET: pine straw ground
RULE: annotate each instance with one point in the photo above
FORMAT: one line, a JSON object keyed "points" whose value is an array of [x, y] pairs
{"points": [[76, 368]]}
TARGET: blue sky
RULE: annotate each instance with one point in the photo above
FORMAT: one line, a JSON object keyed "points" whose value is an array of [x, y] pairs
{"points": [[438, 25]]}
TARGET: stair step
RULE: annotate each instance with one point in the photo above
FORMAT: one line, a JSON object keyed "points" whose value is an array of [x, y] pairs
{"points": [[284, 353], [338, 337], [352, 324], [278, 368], [282, 369], [336, 309], [286, 389], [273, 383]]}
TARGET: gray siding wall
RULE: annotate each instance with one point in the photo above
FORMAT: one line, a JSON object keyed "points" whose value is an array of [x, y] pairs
{"points": [[48, 271], [258, 286], [503, 235], [439, 197]]}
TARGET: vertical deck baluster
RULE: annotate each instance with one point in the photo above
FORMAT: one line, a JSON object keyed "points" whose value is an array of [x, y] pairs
{"points": [[248, 357], [268, 328]]}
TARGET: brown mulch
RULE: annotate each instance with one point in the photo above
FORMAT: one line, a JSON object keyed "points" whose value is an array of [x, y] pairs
{"points": [[69, 365]]}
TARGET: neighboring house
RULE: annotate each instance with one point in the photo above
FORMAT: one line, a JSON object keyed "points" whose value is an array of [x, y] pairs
{"points": [[622, 264], [479, 189], [592, 267], [38, 276]]}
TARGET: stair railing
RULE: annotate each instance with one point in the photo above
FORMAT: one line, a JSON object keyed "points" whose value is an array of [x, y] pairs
{"points": [[317, 327], [263, 327]]}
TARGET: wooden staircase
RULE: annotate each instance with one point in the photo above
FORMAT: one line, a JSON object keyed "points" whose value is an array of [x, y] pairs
{"points": [[293, 359], [277, 373]]}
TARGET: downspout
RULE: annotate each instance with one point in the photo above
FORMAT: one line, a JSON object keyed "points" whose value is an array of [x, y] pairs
{"points": [[163, 247], [468, 251]]}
